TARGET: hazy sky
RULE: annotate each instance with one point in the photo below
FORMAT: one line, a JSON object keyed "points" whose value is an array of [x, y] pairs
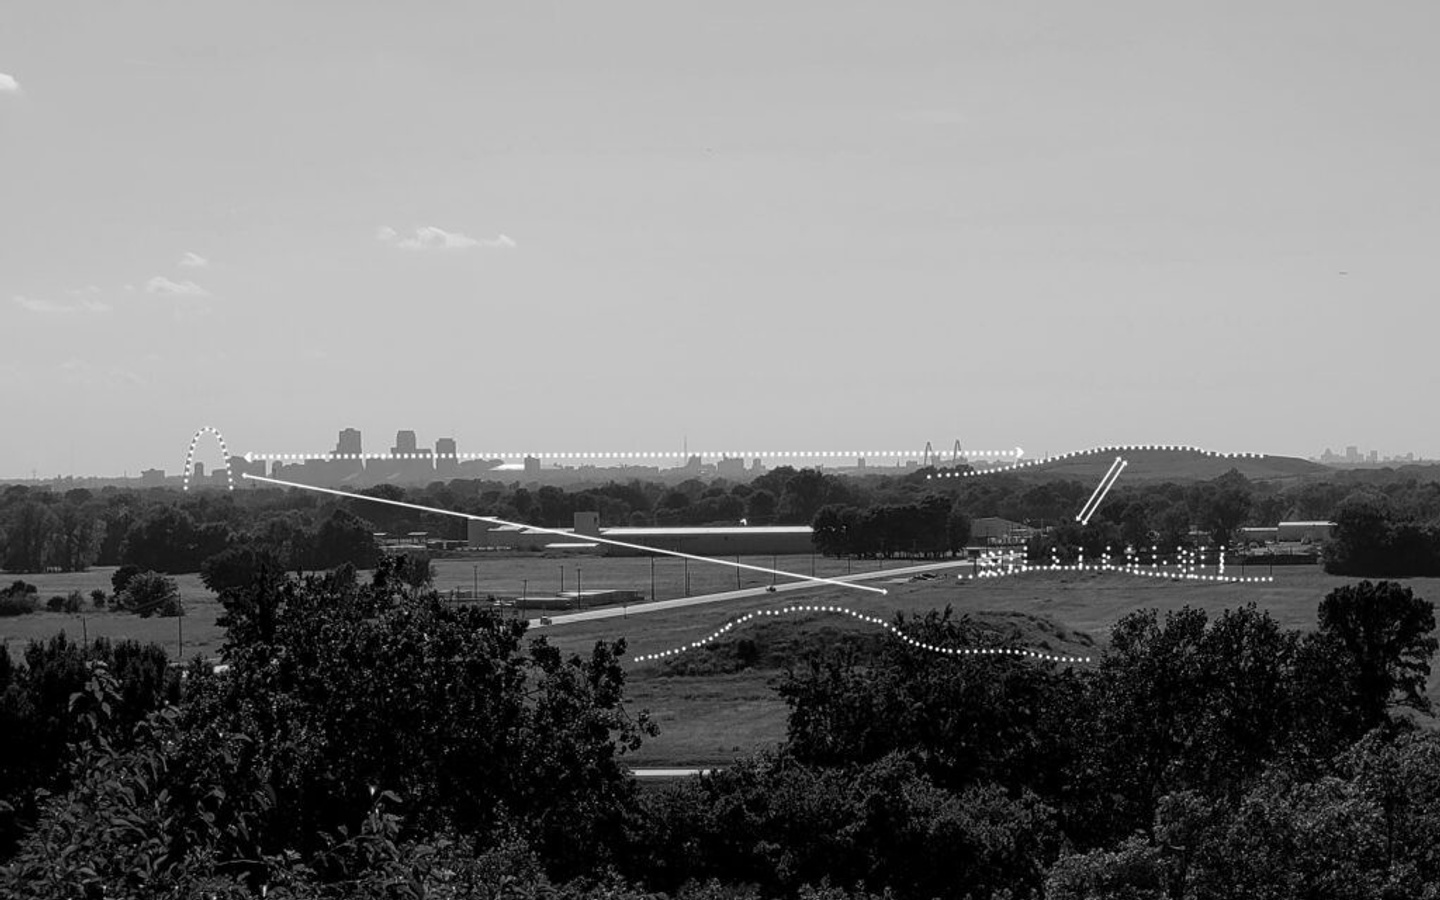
{"points": [[618, 225]]}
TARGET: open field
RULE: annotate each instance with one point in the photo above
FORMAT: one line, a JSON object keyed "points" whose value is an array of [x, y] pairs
{"points": [[197, 629], [709, 719], [501, 575], [703, 717], [511, 574]]}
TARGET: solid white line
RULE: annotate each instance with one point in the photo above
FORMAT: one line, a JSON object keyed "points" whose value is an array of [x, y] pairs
{"points": [[1085, 511], [1114, 478], [653, 606], [568, 534]]}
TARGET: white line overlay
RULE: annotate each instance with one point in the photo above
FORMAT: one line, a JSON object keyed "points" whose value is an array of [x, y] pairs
{"points": [[1116, 448], [568, 534], [190, 456], [1101, 490], [873, 620], [329, 456]]}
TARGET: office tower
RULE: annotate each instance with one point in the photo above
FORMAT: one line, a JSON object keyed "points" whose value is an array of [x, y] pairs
{"points": [[445, 456], [349, 443], [404, 442]]}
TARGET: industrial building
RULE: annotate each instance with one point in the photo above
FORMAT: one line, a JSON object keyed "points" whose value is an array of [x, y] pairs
{"points": [[1288, 533]]}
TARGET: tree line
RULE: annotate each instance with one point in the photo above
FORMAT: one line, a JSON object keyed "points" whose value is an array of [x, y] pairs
{"points": [[874, 515]]}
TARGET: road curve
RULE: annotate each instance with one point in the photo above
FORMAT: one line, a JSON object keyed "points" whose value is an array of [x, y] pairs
{"points": [[637, 609]]}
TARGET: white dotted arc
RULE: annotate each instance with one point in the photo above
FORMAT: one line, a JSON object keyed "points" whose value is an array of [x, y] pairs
{"points": [[1119, 448], [190, 456], [872, 620]]}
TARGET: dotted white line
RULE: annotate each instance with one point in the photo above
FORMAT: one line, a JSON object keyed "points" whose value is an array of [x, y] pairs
{"points": [[190, 456], [1093, 450], [1004, 570], [873, 620], [659, 454]]}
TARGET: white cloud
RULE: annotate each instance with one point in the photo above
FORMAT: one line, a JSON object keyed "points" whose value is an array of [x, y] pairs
{"points": [[8, 84], [79, 372], [193, 261], [428, 237], [44, 307], [167, 288]]}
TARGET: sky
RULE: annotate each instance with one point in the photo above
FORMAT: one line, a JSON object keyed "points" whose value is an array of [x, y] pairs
{"points": [[579, 226]]}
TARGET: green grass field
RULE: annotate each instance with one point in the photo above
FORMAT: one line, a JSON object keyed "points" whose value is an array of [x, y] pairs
{"points": [[708, 719], [197, 627], [511, 574], [703, 718]]}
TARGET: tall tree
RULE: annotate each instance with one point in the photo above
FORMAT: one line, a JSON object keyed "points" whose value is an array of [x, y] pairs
{"points": [[1386, 633]]}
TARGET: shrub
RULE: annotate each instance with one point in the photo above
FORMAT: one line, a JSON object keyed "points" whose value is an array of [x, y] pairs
{"points": [[150, 594], [17, 604], [56, 603], [97, 598], [122, 577]]}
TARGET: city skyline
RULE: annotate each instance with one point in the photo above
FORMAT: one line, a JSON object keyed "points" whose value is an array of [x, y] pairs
{"points": [[632, 224], [447, 457]]}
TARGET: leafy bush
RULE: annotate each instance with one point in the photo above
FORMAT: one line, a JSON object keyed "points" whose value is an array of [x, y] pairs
{"points": [[97, 598], [121, 577], [18, 599], [150, 594]]}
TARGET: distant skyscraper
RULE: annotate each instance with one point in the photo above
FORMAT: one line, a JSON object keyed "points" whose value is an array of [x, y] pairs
{"points": [[404, 442], [445, 457], [349, 443]]}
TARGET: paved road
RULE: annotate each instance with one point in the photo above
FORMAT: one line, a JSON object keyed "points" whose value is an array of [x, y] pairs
{"points": [[671, 773], [637, 609]]}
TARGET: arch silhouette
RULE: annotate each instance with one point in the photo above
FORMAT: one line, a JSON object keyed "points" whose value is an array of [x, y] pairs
{"points": [[190, 455]]}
